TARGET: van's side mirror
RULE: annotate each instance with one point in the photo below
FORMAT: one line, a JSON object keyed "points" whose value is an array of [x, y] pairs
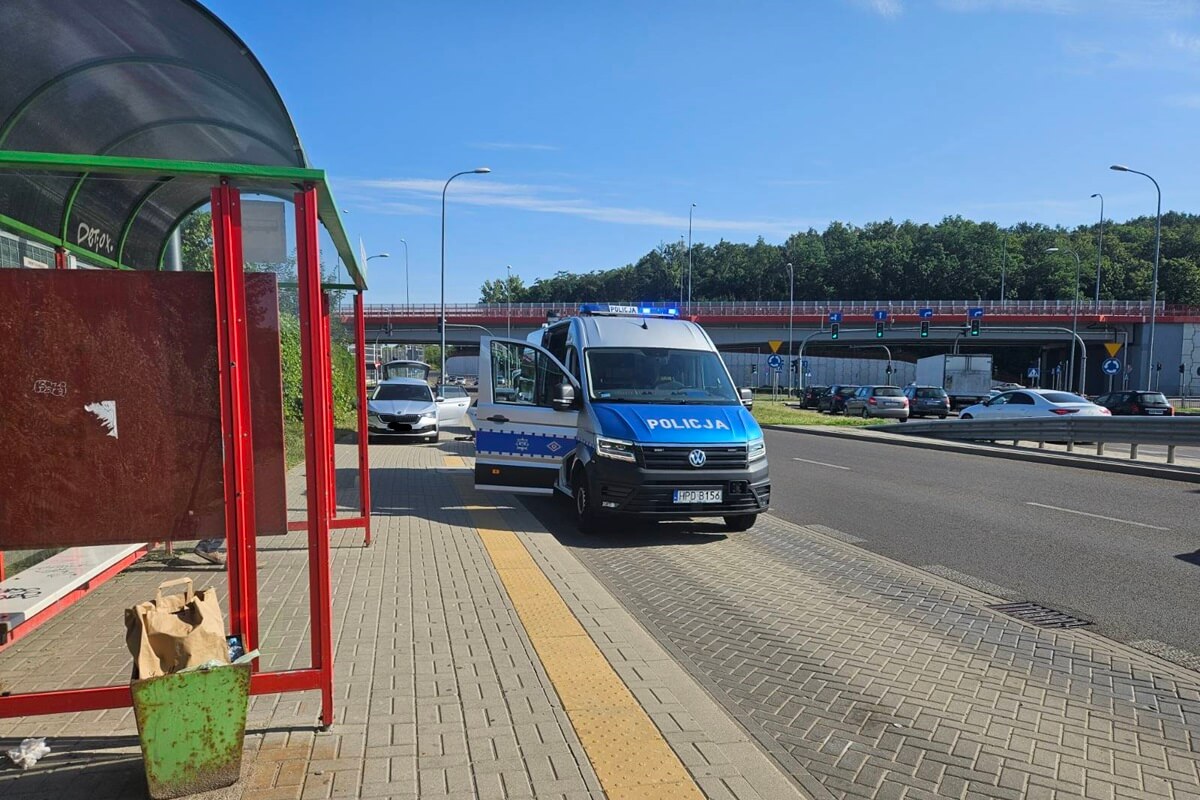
{"points": [[747, 396], [564, 397]]}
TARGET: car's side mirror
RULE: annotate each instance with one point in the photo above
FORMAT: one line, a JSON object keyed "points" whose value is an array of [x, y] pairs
{"points": [[564, 397], [440, 399], [747, 396]]}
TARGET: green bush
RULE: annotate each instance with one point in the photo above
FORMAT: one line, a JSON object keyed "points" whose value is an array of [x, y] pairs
{"points": [[344, 377]]}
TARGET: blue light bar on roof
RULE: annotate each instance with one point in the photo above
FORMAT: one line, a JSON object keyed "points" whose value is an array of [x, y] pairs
{"points": [[609, 309]]}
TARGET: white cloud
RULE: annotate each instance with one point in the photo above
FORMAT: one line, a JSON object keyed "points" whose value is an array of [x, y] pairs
{"points": [[1183, 100], [1188, 43], [884, 8], [552, 200], [1042, 6]]}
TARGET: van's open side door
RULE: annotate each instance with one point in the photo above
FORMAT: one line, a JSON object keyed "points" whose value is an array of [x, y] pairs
{"points": [[521, 438]]}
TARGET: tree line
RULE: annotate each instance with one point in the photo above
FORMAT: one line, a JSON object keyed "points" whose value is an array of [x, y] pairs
{"points": [[955, 259]]}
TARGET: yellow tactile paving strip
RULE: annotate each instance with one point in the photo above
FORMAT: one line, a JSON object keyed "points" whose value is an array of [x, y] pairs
{"points": [[629, 754]]}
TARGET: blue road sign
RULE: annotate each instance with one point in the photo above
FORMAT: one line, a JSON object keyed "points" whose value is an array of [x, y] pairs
{"points": [[975, 313], [881, 315], [925, 313], [804, 366], [1110, 366], [835, 316], [1033, 372], [775, 361]]}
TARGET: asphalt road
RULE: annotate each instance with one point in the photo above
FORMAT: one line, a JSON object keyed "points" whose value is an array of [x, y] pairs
{"points": [[1121, 551]]}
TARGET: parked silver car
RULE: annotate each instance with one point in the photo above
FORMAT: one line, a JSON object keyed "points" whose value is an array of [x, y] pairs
{"points": [[878, 401], [404, 408], [453, 402]]}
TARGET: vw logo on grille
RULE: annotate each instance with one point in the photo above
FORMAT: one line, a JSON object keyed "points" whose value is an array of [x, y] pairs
{"points": [[697, 458]]}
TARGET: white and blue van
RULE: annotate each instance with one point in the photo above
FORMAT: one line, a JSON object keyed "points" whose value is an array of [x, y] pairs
{"points": [[627, 409]]}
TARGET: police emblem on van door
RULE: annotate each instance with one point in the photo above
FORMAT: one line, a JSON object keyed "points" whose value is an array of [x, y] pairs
{"points": [[697, 458]]}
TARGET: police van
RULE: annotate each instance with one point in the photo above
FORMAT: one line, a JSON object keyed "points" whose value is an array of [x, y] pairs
{"points": [[626, 409]]}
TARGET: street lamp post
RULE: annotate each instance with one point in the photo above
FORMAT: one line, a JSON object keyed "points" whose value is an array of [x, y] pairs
{"points": [[1154, 280], [1074, 325], [407, 303], [1099, 249], [442, 316], [508, 297], [791, 307], [689, 296], [377, 255]]}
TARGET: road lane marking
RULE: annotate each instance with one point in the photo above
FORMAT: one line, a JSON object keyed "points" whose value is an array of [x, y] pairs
{"points": [[1099, 516], [820, 463]]}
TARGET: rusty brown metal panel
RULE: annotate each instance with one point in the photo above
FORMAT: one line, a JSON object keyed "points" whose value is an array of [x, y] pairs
{"points": [[266, 404], [109, 414]]}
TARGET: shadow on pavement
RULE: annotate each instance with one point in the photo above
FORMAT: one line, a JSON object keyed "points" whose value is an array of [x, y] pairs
{"points": [[1190, 558], [555, 514]]}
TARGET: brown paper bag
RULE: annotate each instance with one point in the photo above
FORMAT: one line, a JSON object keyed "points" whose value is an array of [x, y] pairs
{"points": [[173, 632]]}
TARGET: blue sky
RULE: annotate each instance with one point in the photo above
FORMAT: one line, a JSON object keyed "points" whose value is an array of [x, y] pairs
{"points": [[604, 121]]}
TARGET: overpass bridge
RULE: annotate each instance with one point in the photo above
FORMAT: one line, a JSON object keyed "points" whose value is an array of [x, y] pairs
{"points": [[1033, 329]]}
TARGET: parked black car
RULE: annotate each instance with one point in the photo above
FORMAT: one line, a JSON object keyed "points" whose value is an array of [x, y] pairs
{"points": [[927, 401], [1147, 404], [812, 396], [835, 400]]}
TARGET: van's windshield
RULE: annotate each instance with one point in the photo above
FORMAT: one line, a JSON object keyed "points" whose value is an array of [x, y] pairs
{"points": [[657, 375]]}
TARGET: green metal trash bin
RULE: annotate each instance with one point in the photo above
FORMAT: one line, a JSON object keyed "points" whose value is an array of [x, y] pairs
{"points": [[191, 726]]}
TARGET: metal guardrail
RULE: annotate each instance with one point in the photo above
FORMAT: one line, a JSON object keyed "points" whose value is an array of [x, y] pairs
{"points": [[1100, 431]]}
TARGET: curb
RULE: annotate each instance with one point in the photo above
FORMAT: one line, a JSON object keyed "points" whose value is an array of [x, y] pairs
{"points": [[1014, 454]]}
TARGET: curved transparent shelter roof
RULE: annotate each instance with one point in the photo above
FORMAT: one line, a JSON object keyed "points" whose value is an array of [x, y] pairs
{"points": [[117, 117]]}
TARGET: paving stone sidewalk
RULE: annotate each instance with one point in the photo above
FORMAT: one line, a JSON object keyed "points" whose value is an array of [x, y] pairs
{"points": [[438, 690], [885, 681]]}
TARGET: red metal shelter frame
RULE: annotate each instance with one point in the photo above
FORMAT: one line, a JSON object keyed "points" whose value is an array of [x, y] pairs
{"points": [[317, 386]]}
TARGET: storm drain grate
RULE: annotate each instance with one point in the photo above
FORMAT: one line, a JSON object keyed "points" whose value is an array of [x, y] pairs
{"points": [[1040, 616]]}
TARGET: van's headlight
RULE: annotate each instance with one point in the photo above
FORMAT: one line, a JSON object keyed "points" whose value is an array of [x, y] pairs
{"points": [[619, 449], [757, 449]]}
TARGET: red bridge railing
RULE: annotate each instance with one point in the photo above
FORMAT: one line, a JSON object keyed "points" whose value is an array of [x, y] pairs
{"points": [[770, 311]]}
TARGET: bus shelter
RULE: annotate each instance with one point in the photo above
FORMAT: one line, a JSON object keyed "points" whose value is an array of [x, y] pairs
{"points": [[118, 119]]}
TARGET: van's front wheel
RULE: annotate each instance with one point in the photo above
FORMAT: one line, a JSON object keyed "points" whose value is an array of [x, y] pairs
{"points": [[742, 522], [587, 517]]}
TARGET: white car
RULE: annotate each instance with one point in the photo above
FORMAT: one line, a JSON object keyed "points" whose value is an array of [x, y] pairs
{"points": [[1033, 403], [403, 408], [453, 402]]}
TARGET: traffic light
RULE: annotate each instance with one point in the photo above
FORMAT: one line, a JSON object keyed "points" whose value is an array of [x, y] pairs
{"points": [[924, 329], [754, 369], [878, 330], [1182, 369], [833, 330], [974, 327], [795, 366]]}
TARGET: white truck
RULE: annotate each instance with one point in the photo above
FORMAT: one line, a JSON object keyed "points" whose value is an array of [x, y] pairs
{"points": [[966, 378]]}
